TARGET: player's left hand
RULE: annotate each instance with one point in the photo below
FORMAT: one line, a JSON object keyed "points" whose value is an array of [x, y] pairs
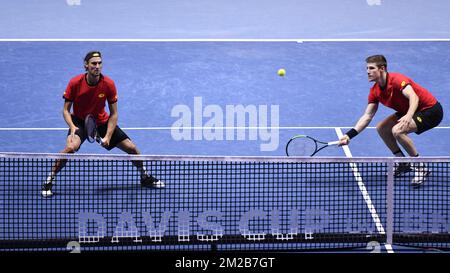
{"points": [[344, 140], [404, 123], [105, 141]]}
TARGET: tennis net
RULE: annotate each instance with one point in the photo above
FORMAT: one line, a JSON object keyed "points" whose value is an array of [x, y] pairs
{"points": [[221, 203]]}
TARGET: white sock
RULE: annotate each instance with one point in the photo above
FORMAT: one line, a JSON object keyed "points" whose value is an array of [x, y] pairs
{"points": [[50, 178], [143, 172]]}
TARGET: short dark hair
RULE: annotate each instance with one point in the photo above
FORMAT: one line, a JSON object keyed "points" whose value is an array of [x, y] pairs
{"points": [[92, 54], [379, 60]]}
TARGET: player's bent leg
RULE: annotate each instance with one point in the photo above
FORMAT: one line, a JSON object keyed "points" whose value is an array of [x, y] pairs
{"points": [[384, 129], [401, 136], [128, 147], [72, 145], [421, 172], [147, 180]]}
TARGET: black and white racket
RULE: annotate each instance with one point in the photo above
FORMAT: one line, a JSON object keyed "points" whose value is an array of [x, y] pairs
{"points": [[91, 129], [303, 145]]}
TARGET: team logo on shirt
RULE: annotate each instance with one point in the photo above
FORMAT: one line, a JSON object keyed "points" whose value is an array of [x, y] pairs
{"points": [[419, 119], [403, 83], [101, 95]]}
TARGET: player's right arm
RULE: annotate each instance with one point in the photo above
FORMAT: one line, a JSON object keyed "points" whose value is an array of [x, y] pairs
{"points": [[362, 123], [68, 117]]}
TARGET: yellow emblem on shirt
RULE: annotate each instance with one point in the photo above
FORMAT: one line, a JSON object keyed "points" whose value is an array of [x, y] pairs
{"points": [[101, 95], [403, 83], [419, 119]]}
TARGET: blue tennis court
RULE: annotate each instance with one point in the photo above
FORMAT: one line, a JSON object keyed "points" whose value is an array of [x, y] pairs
{"points": [[202, 86], [206, 84], [186, 101]]}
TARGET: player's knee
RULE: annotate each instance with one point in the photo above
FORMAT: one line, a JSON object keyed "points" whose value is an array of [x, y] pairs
{"points": [[70, 149], [128, 146], [396, 132], [382, 129], [132, 148]]}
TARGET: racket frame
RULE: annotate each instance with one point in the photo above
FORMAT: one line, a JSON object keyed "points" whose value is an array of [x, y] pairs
{"points": [[316, 142], [96, 136]]}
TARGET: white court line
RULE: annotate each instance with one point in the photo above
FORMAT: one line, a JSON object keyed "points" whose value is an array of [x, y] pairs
{"points": [[296, 40], [364, 192], [186, 128], [200, 128]]}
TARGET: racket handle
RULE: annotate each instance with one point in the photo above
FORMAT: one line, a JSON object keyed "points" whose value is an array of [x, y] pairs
{"points": [[99, 140], [333, 143]]}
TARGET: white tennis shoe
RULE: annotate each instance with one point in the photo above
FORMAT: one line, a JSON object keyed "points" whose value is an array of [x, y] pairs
{"points": [[47, 190], [421, 173]]}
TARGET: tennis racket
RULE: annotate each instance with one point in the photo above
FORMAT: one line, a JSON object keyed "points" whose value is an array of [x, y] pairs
{"points": [[91, 129], [302, 145]]}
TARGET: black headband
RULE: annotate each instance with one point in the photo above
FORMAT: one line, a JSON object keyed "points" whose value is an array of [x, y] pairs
{"points": [[91, 55]]}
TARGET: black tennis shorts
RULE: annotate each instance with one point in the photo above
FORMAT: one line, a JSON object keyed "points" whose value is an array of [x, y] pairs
{"points": [[428, 118], [117, 137]]}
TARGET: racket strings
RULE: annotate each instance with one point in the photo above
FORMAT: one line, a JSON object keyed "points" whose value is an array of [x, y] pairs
{"points": [[91, 128], [302, 147]]}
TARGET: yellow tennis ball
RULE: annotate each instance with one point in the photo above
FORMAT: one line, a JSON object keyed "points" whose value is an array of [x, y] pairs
{"points": [[281, 72]]}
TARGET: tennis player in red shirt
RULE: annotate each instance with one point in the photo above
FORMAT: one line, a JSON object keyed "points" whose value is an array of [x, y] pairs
{"points": [[88, 93], [417, 111]]}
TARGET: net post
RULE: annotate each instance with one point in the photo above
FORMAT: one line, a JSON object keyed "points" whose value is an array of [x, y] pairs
{"points": [[390, 202]]}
